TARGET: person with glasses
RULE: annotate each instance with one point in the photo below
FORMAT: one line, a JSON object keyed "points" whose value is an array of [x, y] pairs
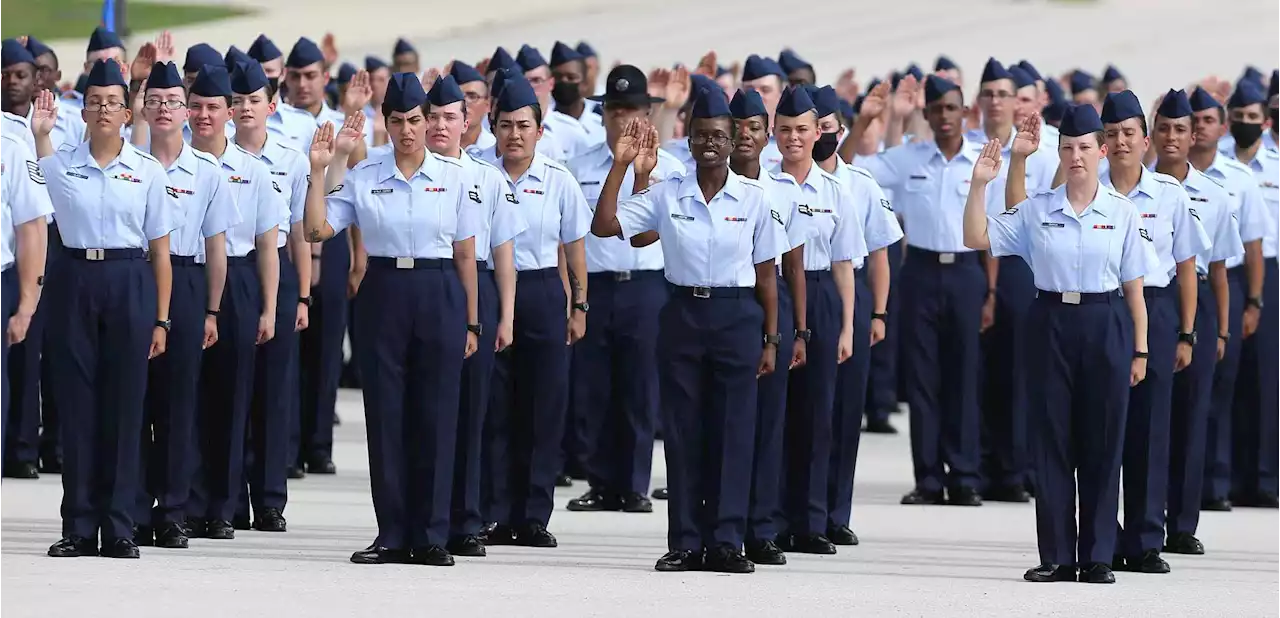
{"points": [[718, 333], [110, 315], [476, 139], [198, 252]]}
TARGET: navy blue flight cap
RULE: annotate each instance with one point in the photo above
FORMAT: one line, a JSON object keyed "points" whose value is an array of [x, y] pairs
{"points": [[710, 104], [500, 59], [500, 78], [164, 75], [1054, 90], [104, 39], [345, 72], [699, 82], [212, 81], [795, 102], [756, 67], [1121, 106], [233, 57], [199, 55], [846, 110], [403, 47], [530, 58], [563, 54], [993, 71], [1081, 81], [1246, 93], [404, 94], [373, 63], [304, 53], [935, 87], [1111, 74], [105, 73], [1201, 100], [248, 77], [516, 94], [464, 73], [12, 52], [264, 49], [747, 104], [914, 70], [826, 101], [1272, 90], [791, 62], [445, 91], [722, 70], [875, 81], [1021, 78], [82, 83], [944, 63], [1031, 70], [1053, 112], [586, 50], [1080, 120], [1252, 74], [1175, 105], [37, 48]]}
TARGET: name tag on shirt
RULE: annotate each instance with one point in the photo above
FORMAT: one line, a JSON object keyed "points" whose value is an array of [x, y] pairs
{"points": [[381, 191], [1199, 199], [589, 183], [275, 173], [919, 177], [678, 217], [1052, 224], [75, 175]]}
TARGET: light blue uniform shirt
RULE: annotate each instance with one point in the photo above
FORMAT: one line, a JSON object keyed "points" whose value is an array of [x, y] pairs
{"points": [[1091, 252], [23, 197], [714, 244], [782, 196], [122, 206], [1227, 145], [205, 207], [500, 220], [482, 150], [1266, 170], [1041, 167], [17, 127], [614, 254], [1212, 204], [880, 225], [258, 199], [554, 209], [570, 133], [837, 225], [1255, 217], [550, 146], [418, 217], [771, 156], [1176, 235], [289, 170], [299, 126], [679, 148]]}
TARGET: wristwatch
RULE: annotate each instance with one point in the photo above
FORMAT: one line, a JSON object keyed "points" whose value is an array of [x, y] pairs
{"points": [[583, 306], [774, 339], [165, 324], [880, 316], [212, 312], [1254, 302], [1188, 338], [1224, 337], [1140, 355], [305, 300], [804, 335], [475, 328]]}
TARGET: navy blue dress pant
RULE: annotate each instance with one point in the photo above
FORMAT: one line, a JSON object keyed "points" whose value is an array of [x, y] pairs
{"points": [[1217, 472], [8, 305], [882, 379], [765, 508], [1257, 410], [26, 367], [846, 421], [1005, 461], [320, 360], [1189, 421], [473, 406]]}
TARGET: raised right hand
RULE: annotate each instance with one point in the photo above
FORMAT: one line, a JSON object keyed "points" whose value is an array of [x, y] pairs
{"points": [[1027, 140], [351, 134], [322, 147], [876, 101], [647, 159], [904, 99], [44, 113], [627, 148], [988, 165]]}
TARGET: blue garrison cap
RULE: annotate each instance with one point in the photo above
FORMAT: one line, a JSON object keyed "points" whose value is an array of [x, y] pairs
{"points": [[464, 73], [944, 63], [373, 63], [233, 57], [935, 87], [248, 77], [586, 50], [1054, 111], [105, 73], [304, 53], [1175, 105], [345, 72], [1054, 90], [1272, 90], [914, 70], [1080, 120], [37, 48], [794, 102], [699, 82], [1111, 74], [404, 93], [1021, 78], [1201, 100], [516, 94], [445, 91], [12, 52], [1081, 81], [1121, 106], [1031, 70], [561, 54], [826, 101], [199, 55], [82, 83], [993, 71], [1246, 93], [710, 104], [1251, 74], [747, 104], [164, 75], [871, 85], [500, 78], [212, 81], [500, 59], [757, 67], [530, 58], [104, 39], [790, 61], [264, 49], [722, 70], [846, 110], [403, 47]]}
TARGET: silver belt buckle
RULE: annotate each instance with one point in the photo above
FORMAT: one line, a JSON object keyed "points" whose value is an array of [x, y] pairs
{"points": [[404, 262], [702, 292], [1071, 298], [95, 255], [622, 275], [946, 258]]}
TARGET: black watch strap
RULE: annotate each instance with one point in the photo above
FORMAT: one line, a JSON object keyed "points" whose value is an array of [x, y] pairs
{"points": [[804, 335], [880, 316], [475, 328], [774, 339], [1255, 301], [1224, 337], [1140, 354], [212, 312], [306, 300], [165, 324]]}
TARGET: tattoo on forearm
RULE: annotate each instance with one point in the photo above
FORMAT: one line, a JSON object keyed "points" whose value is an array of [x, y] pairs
{"points": [[574, 286], [313, 235]]}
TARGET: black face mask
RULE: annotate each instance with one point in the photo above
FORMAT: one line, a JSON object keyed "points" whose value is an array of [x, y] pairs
{"points": [[565, 94], [1275, 118], [1246, 134], [825, 147]]}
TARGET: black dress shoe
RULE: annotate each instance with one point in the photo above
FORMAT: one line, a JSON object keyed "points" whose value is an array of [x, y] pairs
{"points": [[241, 522], [1216, 504], [1183, 543], [1267, 501], [595, 500], [196, 528], [74, 547], [219, 529], [337, 422], [679, 560], [171, 536], [659, 493], [880, 426], [321, 466], [727, 559], [143, 536], [468, 546], [964, 496], [1149, 562], [564, 480], [21, 470], [270, 520], [1007, 493], [297, 472], [766, 552], [498, 534], [917, 496], [432, 555], [636, 503], [50, 465], [812, 544], [1050, 573], [534, 534], [376, 554], [1096, 573], [842, 535], [119, 548]]}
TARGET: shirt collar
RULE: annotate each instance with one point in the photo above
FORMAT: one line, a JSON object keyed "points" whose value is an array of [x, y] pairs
{"points": [[388, 169], [537, 168], [272, 152], [128, 157], [187, 160], [969, 149], [733, 187], [810, 180], [1146, 182], [233, 157], [1100, 205]]}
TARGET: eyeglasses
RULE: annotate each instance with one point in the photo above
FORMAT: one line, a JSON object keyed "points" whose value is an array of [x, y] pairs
{"points": [[172, 104], [995, 94], [109, 106], [717, 139]]}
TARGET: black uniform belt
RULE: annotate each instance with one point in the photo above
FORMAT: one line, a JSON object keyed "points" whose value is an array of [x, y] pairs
{"points": [[935, 257], [389, 263], [98, 255], [701, 292], [482, 266], [1076, 298], [1168, 291], [624, 275], [817, 275], [184, 260], [541, 273], [1204, 278]]}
